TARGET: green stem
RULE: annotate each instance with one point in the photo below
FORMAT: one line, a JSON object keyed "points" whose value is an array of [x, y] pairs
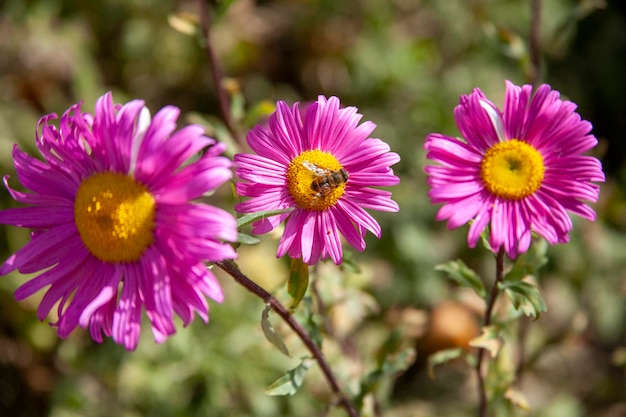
{"points": [[534, 72], [534, 77], [282, 311], [216, 71], [493, 295]]}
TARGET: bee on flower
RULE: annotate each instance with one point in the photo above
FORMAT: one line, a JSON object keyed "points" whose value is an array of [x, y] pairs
{"points": [[324, 165]]}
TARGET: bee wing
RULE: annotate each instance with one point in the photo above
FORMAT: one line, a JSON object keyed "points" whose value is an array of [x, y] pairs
{"points": [[314, 168]]}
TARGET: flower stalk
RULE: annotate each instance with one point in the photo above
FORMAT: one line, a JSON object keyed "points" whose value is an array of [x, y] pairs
{"points": [[282, 311], [216, 71], [534, 72], [493, 295]]}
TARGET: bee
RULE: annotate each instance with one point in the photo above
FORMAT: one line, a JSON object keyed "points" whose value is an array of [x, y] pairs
{"points": [[327, 180]]}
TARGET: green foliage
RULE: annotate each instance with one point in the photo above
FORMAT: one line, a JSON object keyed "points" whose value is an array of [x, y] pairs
{"points": [[392, 364], [460, 273], [490, 340], [289, 383], [404, 65], [298, 281], [309, 322], [248, 219], [525, 297], [442, 357], [270, 333]]}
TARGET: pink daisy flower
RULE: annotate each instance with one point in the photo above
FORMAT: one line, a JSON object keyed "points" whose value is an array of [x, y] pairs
{"points": [[517, 171], [115, 229], [323, 164]]}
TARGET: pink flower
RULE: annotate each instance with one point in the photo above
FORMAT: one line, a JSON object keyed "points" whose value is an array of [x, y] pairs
{"points": [[323, 164], [517, 171], [114, 226]]}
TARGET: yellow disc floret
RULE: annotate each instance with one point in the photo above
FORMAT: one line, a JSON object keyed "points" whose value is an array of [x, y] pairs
{"points": [[316, 180], [115, 217], [512, 170]]}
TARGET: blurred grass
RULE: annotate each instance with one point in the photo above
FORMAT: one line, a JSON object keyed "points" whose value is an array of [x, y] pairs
{"points": [[403, 63]]}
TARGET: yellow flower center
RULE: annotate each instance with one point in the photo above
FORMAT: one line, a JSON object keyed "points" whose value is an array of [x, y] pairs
{"points": [[512, 169], [316, 180], [114, 215]]}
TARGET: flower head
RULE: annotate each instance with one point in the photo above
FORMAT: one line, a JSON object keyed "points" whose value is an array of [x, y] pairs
{"points": [[323, 164], [517, 171], [115, 228]]}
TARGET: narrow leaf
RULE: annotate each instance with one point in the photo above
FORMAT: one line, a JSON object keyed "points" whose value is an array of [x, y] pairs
{"points": [[399, 362], [289, 383], [237, 100], [185, 23], [310, 324], [484, 239], [488, 340], [259, 111], [463, 275], [441, 357], [270, 333], [223, 6], [389, 367], [247, 239], [298, 281], [253, 217], [525, 297], [516, 398]]}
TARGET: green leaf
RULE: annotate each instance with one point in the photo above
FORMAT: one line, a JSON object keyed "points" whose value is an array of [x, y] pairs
{"points": [[489, 340], [253, 217], [389, 347], [390, 366], [525, 297], [289, 383], [222, 6], [270, 333], [517, 398], [310, 324], [484, 239], [441, 357], [464, 276], [237, 100], [259, 111], [185, 23], [298, 281], [247, 239]]}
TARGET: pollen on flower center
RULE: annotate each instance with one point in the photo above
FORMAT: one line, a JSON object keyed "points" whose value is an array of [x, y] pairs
{"points": [[115, 217], [316, 180], [512, 169]]}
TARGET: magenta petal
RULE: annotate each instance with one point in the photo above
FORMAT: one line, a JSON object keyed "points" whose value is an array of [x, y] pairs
{"points": [[127, 316], [347, 229], [43, 251], [309, 237], [360, 216], [481, 221], [105, 296], [291, 235], [328, 231]]}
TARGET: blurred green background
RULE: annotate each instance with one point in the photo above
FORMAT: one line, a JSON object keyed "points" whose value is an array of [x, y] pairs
{"points": [[403, 63]]}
